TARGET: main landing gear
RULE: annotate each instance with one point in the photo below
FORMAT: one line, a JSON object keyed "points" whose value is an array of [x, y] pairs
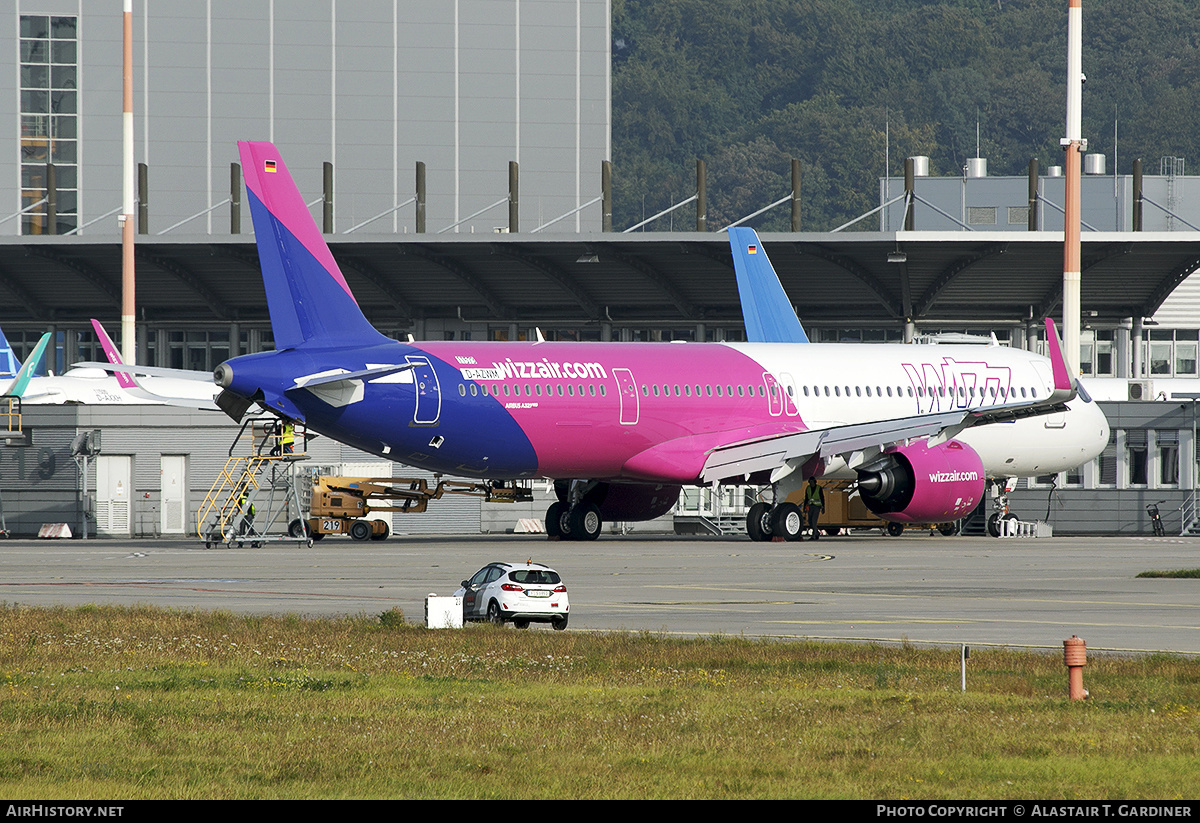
{"points": [[581, 523], [573, 517], [765, 521]]}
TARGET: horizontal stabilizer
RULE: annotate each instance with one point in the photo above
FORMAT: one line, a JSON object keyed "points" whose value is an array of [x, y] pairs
{"points": [[341, 376]]}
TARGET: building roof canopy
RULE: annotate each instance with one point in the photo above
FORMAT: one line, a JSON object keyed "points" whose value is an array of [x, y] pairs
{"points": [[873, 279]]}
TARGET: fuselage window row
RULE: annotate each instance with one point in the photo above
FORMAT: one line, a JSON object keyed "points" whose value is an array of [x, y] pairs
{"points": [[963, 392]]}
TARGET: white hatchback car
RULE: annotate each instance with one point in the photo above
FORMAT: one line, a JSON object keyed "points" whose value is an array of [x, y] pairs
{"points": [[523, 593]]}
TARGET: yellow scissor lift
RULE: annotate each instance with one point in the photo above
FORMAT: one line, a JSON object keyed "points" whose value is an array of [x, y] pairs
{"points": [[256, 496], [340, 505], [14, 435]]}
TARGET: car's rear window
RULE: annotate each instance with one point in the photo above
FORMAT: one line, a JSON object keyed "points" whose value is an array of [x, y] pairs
{"points": [[528, 576]]}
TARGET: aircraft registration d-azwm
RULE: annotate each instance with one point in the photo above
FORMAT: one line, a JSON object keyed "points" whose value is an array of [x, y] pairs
{"points": [[621, 427]]}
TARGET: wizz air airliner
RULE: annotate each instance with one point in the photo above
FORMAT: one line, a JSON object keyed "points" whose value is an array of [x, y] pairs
{"points": [[621, 427]]}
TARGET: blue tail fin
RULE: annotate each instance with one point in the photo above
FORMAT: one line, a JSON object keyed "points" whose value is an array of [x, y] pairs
{"points": [[766, 310], [8, 359], [307, 295]]}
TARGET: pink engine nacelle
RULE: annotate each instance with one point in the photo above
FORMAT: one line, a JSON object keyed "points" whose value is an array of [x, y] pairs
{"points": [[919, 484]]}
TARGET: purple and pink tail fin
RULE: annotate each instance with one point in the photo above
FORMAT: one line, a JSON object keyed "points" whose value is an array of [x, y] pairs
{"points": [[307, 296], [124, 379]]}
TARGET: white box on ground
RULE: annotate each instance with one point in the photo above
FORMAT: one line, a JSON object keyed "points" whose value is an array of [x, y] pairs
{"points": [[443, 612]]}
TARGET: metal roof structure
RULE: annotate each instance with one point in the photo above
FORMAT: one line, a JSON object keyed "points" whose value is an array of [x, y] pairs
{"points": [[869, 278]]}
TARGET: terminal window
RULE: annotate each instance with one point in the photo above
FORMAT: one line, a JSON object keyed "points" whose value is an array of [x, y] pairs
{"points": [[49, 129]]}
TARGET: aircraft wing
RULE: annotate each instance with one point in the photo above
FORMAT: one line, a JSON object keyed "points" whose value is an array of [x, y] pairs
{"points": [[861, 442], [193, 389], [147, 371], [790, 451]]}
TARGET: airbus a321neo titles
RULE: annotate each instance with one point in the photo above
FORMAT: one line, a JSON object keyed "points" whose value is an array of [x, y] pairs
{"points": [[621, 427]]}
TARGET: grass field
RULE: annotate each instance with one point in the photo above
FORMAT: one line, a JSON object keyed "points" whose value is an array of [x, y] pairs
{"points": [[116, 703]]}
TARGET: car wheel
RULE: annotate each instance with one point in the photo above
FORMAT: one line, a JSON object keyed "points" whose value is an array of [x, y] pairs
{"points": [[559, 623], [494, 617], [948, 529], [521, 624], [360, 530], [586, 522], [758, 522], [787, 522]]}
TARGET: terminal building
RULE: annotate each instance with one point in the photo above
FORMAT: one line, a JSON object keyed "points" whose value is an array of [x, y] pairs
{"points": [[503, 110]]}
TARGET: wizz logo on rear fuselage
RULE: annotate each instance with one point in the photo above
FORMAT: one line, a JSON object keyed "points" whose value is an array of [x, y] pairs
{"points": [[957, 385]]}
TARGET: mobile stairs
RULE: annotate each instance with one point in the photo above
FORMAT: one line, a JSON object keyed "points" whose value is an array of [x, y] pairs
{"points": [[259, 495]]}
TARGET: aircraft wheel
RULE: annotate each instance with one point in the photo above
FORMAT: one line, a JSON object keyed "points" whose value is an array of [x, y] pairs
{"points": [[895, 529], [994, 527], [787, 522], [360, 530], [554, 520], [586, 522], [758, 522], [948, 529]]}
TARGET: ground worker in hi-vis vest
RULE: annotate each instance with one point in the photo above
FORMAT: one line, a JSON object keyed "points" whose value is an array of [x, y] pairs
{"points": [[814, 501], [247, 508], [285, 439]]}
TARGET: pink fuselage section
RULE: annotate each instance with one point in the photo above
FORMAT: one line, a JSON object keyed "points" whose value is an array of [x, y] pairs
{"points": [[588, 409]]}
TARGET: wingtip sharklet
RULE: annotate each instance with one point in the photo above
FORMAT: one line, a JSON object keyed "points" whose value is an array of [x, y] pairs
{"points": [[1063, 379]]}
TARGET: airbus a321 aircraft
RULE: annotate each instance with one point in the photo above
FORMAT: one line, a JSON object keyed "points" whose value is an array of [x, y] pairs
{"points": [[623, 426]]}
